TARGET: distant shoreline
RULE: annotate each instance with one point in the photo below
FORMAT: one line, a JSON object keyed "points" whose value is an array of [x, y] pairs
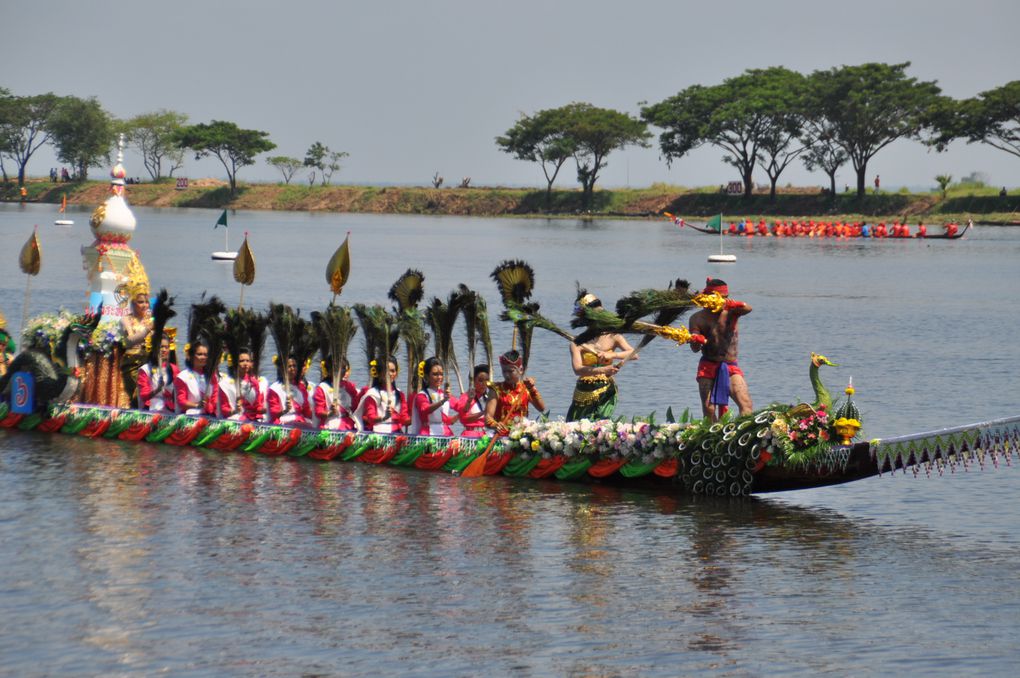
{"points": [[980, 204]]}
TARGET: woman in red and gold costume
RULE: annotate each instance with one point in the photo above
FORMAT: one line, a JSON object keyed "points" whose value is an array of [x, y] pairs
{"points": [[238, 395], [471, 406], [155, 382], [191, 385], [333, 406], [383, 409], [288, 400], [434, 410], [513, 396]]}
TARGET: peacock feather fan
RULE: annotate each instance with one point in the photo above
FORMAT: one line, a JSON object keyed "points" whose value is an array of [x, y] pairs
{"points": [[416, 341], [380, 332], [257, 325], [334, 328], [162, 312], [596, 321], [284, 325], [515, 280], [442, 317], [668, 305], [476, 324], [408, 291], [200, 314], [306, 345], [235, 335], [205, 323]]}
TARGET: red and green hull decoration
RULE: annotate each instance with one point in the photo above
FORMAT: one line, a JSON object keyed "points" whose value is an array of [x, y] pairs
{"points": [[741, 456]]}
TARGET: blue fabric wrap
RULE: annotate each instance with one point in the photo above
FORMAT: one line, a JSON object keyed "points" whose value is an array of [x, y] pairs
{"points": [[721, 386]]}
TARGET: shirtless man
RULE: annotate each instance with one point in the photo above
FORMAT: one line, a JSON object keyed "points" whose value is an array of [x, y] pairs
{"points": [[719, 376]]}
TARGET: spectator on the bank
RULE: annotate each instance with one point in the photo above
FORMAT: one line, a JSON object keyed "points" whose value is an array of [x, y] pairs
{"points": [[1002, 193]]}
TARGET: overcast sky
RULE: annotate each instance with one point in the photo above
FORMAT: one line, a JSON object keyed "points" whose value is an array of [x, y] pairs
{"points": [[411, 88]]}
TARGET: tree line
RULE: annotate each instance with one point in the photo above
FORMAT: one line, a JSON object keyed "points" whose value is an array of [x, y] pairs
{"points": [[761, 119]]}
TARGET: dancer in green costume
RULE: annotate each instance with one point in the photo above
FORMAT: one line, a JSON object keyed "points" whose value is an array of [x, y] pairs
{"points": [[595, 392]]}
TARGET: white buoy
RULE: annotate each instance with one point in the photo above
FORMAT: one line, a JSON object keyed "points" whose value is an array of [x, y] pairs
{"points": [[721, 258], [224, 256]]}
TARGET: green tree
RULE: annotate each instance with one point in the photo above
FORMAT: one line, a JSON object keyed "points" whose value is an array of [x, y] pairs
{"points": [[822, 152], [992, 118], [235, 147], [540, 138], [288, 166], [753, 117], [24, 127], [82, 133], [867, 107], [153, 135], [595, 133], [318, 156], [943, 180]]}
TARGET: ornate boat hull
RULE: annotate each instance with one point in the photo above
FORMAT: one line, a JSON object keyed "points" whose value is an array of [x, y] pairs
{"points": [[675, 472]]}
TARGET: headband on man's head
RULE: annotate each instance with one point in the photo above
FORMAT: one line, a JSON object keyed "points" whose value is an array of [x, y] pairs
{"points": [[507, 360], [716, 285]]}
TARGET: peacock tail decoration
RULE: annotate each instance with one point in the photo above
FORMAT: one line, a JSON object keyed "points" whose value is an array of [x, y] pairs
{"points": [[476, 324], [334, 329], [284, 325], [442, 317], [416, 342], [306, 345], [598, 320], [406, 293], [380, 333], [205, 323], [668, 305], [162, 312], [515, 281], [257, 325], [235, 337]]}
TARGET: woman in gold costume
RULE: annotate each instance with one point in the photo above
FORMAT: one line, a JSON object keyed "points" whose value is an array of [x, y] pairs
{"points": [[595, 392], [137, 325]]}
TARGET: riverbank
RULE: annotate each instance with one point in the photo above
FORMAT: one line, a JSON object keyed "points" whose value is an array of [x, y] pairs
{"points": [[979, 203]]}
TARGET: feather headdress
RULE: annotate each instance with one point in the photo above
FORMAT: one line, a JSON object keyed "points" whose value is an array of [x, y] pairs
{"points": [[285, 326]]}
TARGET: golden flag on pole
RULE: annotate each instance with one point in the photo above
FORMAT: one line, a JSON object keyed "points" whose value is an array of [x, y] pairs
{"points": [[31, 258], [244, 267], [339, 268]]}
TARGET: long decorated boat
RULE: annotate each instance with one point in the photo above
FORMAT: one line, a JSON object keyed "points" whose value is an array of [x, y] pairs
{"points": [[828, 230], [743, 456]]}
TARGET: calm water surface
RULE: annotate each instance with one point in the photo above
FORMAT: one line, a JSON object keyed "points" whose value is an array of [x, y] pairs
{"points": [[120, 559]]}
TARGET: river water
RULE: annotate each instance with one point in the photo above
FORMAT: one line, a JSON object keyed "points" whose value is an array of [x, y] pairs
{"points": [[123, 559]]}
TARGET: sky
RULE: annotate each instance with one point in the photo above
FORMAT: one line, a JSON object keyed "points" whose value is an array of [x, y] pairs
{"points": [[411, 88]]}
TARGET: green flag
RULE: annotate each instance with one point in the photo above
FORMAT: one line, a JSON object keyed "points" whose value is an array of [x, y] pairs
{"points": [[222, 220], [714, 224]]}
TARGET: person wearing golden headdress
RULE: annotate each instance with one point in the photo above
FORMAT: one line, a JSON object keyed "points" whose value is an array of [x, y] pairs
{"points": [[137, 326], [513, 396], [7, 346], [595, 391]]}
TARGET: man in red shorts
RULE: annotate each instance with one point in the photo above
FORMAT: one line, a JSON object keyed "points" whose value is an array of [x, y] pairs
{"points": [[719, 376]]}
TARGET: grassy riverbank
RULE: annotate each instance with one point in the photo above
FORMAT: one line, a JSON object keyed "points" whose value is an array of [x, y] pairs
{"points": [[980, 203]]}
